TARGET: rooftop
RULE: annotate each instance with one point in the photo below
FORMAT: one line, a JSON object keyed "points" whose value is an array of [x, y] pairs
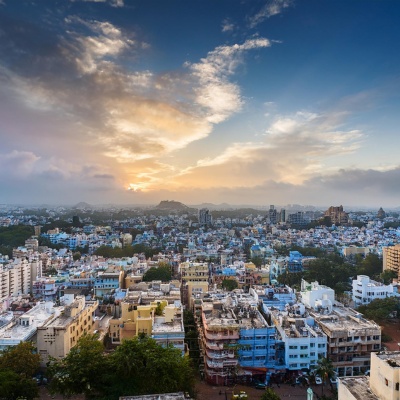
{"points": [[359, 387]]}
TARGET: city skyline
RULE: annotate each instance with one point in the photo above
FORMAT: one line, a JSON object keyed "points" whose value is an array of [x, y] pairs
{"points": [[243, 102]]}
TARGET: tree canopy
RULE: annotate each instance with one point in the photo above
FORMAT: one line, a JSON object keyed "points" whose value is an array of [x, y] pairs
{"points": [[17, 366], [229, 284], [161, 273], [269, 394], [380, 310], [138, 366]]}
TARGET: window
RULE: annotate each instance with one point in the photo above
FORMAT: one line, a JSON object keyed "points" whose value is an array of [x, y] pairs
{"points": [[293, 347], [303, 347]]}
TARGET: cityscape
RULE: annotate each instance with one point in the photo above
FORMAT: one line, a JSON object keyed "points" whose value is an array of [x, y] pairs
{"points": [[199, 200], [253, 298]]}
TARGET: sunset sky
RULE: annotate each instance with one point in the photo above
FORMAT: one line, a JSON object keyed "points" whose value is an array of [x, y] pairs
{"points": [[239, 101]]}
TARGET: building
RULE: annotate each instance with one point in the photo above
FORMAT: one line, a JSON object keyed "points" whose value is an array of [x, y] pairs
{"points": [[366, 290], [24, 328], [205, 217], [383, 382], [194, 280], [350, 251], [302, 339], [391, 258], [337, 215], [350, 337], [16, 277], [273, 215], [107, 281], [57, 336]]}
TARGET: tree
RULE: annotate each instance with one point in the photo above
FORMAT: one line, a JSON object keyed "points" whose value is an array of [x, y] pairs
{"points": [[162, 273], [387, 276], [325, 370], [380, 310], [20, 359], [77, 256], [269, 394], [82, 371], [14, 386], [229, 284], [371, 266], [143, 367]]}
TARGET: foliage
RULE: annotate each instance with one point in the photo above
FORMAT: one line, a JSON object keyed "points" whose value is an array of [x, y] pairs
{"points": [[269, 394], [325, 370], [379, 310], [387, 276], [290, 278], [15, 235], [17, 366], [138, 366], [127, 251], [257, 261], [14, 386], [77, 256], [229, 284], [371, 266], [21, 359], [142, 367], [162, 273], [386, 338], [81, 371]]}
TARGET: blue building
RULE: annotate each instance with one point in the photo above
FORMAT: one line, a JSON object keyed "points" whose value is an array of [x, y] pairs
{"points": [[295, 263]]}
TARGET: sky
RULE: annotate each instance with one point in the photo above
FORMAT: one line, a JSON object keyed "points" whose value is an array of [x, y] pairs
{"points": [[253, 102]]}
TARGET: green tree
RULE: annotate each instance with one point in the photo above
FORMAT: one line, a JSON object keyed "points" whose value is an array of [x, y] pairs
{"points": [[77, 256], [21, 359], [387, 276], [379, 310], [229, 284], [371, 266], [143, 367], [82, 371], [162, 273], [325, 370], [14, 386], [269, 394], [257, 261]]}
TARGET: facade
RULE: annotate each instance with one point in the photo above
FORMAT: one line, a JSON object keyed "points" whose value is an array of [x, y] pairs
{"points": [[107, 281], [205, 217], [391, 258], [15, 278], [57, 336], [366, 290], [194, 279], [45, 289]]}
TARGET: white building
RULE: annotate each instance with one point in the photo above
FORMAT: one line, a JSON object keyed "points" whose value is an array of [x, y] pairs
{"points": [[316, 296], [366, 290]]}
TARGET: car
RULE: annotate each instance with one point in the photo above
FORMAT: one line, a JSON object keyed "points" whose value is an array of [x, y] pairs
{"points": [[366, 373], [318, 380], [260, 385], [302, 380], [334, 380]]}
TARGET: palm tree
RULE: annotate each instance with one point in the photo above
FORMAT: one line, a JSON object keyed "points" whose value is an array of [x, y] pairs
{"points": [[325, 370]]}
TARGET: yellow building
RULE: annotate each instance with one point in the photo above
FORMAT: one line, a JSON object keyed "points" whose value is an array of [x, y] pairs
{"points": [[195, 279], [391, 258], [57, 337]]}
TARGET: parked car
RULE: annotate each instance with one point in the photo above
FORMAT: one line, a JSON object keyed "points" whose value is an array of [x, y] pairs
{"points": [[260, 385], [318, 380], [334, 380]]}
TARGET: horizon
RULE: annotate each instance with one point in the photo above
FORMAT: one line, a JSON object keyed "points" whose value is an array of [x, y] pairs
{"points": [[129, 102]]}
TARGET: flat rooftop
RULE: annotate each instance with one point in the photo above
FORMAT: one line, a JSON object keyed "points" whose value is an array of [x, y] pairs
{"points": [[359, 387]]}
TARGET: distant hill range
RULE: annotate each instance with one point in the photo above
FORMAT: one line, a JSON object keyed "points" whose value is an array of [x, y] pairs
{"points": [[83, 206], [171, 205]]}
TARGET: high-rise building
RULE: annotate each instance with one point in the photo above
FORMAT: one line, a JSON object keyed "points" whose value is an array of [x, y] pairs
{"points": [[273, 215], [337, 215], [391, 258], [205, 217]]}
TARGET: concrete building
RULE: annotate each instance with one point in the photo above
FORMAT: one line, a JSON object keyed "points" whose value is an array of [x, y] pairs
{"points": [[24, 328], [366, 290], [391, 258], [383, 382], [16, 278], [303, 340], [337, 215], [205, 217], [194, 279], [57, 336]]}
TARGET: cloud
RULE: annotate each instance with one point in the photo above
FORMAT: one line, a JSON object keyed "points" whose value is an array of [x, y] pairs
{"points": [[113, 3], [295, 148], [271, 8], [219, 97], [227, 25]]}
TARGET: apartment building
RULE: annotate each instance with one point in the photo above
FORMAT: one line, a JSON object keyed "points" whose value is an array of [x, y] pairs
{"points": [[302, 339], [382, 384], [155, 311], [57, 336], [350, 337], [15, 277], [337, 215], [219, 337], [391, 258], [24, 327], [366, 290], [194, 279]]}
